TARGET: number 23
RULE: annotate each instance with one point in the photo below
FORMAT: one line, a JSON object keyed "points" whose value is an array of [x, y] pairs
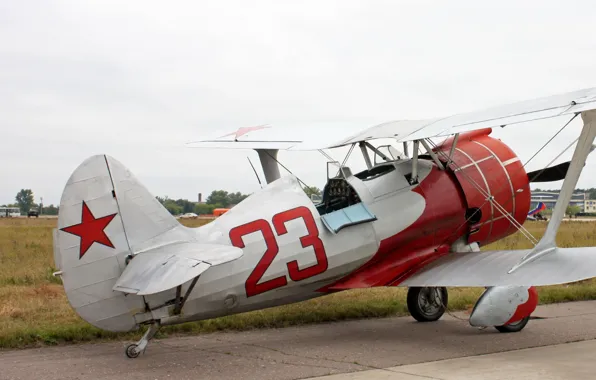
{"points": [[252, 285]]}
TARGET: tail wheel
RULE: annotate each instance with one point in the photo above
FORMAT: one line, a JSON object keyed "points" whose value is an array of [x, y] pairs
{"points": [[514, 327], [131, 351], [427, 304]]}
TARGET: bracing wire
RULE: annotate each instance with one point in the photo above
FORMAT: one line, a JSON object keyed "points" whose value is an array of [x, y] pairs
{"points": [[288, 170], [490, 198], [551, 139], [348, 155], [535, 154], [254, 170], [327, 156], [554, 159]]}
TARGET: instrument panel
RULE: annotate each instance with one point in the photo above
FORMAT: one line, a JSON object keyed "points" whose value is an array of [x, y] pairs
{"points": [[339, 194]]}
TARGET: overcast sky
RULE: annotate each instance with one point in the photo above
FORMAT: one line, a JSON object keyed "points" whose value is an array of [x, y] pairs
{"points": [[139, 79]]}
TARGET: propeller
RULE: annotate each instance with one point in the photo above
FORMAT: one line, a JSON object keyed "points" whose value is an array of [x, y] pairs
{"points": [[554, 173]]}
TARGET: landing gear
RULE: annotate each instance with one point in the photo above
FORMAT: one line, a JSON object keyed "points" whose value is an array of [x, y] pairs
{"points": [[427, 304], [514, 327], [131, 351], [135, 349]]}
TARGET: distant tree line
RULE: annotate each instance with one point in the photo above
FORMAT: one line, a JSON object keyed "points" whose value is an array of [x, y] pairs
{"points": [[217, 199], [25, 201]]}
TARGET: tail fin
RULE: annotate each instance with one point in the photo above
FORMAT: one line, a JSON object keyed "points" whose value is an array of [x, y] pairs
{"points": [[106, 214]]}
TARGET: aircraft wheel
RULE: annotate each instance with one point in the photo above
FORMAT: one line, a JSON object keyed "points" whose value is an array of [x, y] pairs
{"points": [[131, 351], [427, 304], [514, 327]]}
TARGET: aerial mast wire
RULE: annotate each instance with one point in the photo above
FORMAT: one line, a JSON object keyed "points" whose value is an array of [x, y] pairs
{"points": [[254, 170]]}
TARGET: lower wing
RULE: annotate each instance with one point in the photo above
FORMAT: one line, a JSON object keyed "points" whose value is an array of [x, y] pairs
{"points": [[492, 268]]}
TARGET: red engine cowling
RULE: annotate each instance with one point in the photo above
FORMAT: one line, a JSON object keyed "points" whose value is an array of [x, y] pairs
{"points": [[487, 169]]}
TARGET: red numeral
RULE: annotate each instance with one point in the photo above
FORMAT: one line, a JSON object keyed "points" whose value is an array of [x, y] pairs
{"points": [[279, 222], [252, 283], [310, 240]]}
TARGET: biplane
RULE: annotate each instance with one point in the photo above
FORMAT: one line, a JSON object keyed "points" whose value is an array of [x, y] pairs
{"points": [[416, 217]]}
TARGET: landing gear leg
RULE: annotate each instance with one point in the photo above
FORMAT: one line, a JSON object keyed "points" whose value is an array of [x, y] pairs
{"points": [[427, 304], [135, 349]]}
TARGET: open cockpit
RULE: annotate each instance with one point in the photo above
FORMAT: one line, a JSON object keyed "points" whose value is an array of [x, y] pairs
{"points": [[338, 194], [341, 204], [345, 196]]}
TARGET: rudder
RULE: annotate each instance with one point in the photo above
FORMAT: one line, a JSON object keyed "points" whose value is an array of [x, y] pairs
{"points": [[105, 215]]}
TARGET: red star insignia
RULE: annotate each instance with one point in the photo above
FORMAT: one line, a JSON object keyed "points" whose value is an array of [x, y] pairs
{"points": [[90, 230], [244, 130]]}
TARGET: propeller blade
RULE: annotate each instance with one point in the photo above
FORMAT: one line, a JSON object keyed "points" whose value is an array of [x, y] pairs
{"points": [[552, 174]]}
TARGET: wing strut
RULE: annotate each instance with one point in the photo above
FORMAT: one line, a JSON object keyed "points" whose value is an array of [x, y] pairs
{"points": [[584, 145], [432, 154], [452, 150], [377, 151], [268, 159], [365, 155], [181, 301], [414, 179]]}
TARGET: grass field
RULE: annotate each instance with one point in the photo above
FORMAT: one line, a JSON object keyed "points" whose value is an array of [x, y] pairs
{"points": [[34, 309]]}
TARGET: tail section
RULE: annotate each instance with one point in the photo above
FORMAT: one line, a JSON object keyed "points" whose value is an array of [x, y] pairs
{"points": [[145, 219], [106, 215]]}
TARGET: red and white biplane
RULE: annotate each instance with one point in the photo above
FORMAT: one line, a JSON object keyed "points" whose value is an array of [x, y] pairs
{"points": [[415, 219]]}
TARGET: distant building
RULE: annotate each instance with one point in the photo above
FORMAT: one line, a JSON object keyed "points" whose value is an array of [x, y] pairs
{"points": [[590, 206], [9, 212], [550, 198]]}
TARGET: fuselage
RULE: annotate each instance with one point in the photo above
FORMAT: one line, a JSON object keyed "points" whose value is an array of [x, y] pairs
{"points": [[373, 228]]}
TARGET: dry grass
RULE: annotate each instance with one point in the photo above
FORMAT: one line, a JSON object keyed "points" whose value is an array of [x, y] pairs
{"points": [[34, 309]]}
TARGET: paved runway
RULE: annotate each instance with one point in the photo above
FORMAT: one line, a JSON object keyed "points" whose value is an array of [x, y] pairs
{"points": [[562, 361], [387, 348]]}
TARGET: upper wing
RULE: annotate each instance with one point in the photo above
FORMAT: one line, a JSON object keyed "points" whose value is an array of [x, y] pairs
{"points": [[490, 268], [165, 268], [409, 130]]}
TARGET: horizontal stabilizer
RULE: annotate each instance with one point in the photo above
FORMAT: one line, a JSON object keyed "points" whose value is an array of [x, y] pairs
{"points": [[167, 267], [490, 268]]}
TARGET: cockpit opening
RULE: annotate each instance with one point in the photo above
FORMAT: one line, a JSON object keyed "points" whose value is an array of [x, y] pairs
{"points": [[341, 205], [337, 194], [376, 171]]}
